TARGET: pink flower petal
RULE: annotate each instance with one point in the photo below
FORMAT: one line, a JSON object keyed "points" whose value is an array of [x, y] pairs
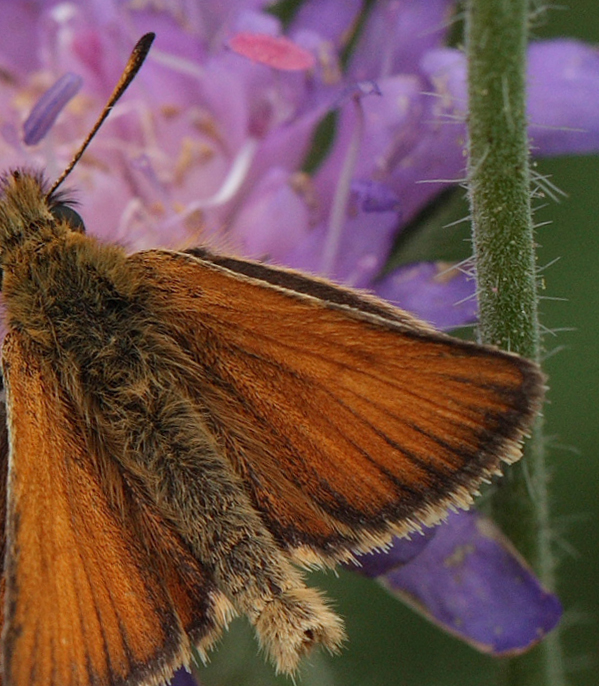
{"points": [[274, 51]]}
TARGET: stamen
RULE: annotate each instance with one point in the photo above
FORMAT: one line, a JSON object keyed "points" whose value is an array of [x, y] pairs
{"points": [[232, 183], [342, 192], [49, 106]]}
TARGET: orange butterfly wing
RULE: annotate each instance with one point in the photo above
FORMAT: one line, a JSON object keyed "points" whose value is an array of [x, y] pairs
{"points": [[3, 476], [347, 418], [98, 592]]}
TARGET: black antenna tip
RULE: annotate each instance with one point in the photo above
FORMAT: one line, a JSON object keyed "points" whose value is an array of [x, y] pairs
{"points": [[143, 45], [138, 55]]}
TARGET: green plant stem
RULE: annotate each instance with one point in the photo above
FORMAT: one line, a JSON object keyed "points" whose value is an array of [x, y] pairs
{"points": [[499, 189]]}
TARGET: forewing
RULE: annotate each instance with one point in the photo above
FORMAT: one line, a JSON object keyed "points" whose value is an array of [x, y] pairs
{"points": [[348, 419], [88, 601], [3, 475]]}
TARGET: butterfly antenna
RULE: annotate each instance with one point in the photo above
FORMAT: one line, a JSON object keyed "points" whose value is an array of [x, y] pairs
{"points": [[137, 58]]}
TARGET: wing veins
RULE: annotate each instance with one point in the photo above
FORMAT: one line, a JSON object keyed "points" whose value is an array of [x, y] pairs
{"points": [[380, 379], [409, 454], [448, 415]]}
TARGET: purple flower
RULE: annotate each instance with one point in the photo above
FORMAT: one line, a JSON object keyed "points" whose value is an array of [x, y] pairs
{"points": [[465, 576], [440, 293], [184, 678], [209, 146]]}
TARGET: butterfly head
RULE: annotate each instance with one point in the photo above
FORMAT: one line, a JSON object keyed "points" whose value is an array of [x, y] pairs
{"points": [[30, 216]]}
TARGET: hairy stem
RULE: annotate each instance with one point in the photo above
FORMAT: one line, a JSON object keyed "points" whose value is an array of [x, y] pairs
{"points": [[499, 190]]}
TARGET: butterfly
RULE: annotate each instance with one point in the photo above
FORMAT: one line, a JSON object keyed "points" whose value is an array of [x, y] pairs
{"points": [[186, 431]]}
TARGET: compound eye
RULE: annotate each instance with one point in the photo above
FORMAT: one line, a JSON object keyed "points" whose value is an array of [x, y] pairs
{"points": [[65, 213]]}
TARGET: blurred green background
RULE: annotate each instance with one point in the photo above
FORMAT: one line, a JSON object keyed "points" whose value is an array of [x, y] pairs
{"points": [[389, 644]]}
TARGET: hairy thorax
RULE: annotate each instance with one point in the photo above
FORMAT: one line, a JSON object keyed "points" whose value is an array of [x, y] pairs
{"points": [[139, 394]]}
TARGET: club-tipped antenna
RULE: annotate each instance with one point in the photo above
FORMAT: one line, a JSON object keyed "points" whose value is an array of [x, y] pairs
{"points": [[137, 58]]}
